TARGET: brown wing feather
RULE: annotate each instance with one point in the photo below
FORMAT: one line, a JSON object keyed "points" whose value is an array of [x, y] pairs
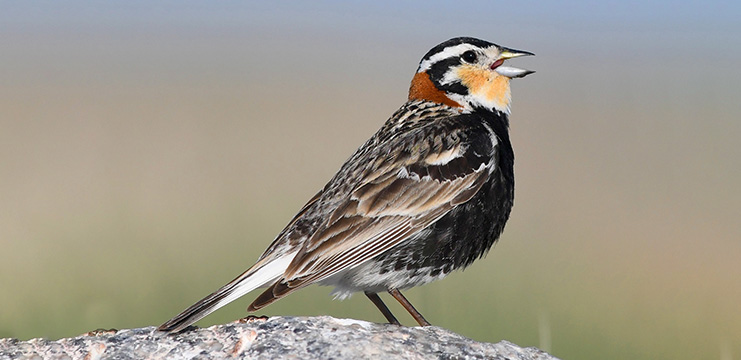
{"points": [[377, 217], [393, 219]]}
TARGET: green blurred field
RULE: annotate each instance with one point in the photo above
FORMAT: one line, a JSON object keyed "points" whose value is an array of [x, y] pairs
{"points": [[147, 160]]}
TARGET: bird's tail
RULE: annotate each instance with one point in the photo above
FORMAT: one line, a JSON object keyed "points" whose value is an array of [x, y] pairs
{"points": [[261, 274]]}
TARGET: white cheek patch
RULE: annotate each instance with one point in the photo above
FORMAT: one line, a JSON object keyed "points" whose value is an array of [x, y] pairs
{"points": [[450, 76]]}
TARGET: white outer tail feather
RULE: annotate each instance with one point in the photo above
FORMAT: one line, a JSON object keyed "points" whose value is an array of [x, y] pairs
{"points": [[266, 275], [263, 276]]}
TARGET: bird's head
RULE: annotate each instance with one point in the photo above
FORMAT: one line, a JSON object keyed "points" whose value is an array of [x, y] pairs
{"points": [[467, 73]]}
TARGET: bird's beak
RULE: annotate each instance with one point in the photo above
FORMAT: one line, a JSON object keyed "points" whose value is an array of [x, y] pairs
{"points": [[508, 71]]}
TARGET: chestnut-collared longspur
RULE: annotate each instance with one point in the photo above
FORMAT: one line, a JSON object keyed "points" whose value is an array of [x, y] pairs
{"points": [[427, 194]]}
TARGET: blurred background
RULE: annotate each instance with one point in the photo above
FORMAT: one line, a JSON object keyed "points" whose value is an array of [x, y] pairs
{"points": [[149, 152]]}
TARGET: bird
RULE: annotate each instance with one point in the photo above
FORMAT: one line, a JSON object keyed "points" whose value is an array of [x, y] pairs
{"points": [[428, 193]]}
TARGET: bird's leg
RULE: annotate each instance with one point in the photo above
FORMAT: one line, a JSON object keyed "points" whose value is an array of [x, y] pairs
{"points": [[407, 305], [381, 306]]}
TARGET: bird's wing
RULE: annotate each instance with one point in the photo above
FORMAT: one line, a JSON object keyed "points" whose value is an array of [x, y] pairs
{"points": [[393, 200]]}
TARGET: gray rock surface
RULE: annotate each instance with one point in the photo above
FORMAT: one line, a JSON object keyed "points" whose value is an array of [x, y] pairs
{"points": [[274, 338]]}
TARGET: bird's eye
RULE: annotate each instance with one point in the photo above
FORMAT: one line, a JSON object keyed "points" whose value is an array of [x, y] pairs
{"points": [[469, 56]]}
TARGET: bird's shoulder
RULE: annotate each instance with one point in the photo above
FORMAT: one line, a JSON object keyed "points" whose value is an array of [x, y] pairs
{"points": [[419, 134]]}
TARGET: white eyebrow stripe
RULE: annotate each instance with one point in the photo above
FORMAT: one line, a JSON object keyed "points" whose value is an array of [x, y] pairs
{"points": [[448, 52]]}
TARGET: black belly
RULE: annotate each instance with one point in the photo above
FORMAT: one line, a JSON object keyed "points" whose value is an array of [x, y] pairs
{"points": [[458, 238]]}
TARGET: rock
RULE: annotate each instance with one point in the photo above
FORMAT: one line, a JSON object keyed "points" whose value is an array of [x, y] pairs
{"points": [[277, 337]]}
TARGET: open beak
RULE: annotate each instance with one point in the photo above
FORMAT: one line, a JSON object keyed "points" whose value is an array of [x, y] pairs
{"points": [[508, 71]]}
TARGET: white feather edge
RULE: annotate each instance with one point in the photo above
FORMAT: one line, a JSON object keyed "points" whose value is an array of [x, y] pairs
{"points": [[249, 281], [261, 277]]}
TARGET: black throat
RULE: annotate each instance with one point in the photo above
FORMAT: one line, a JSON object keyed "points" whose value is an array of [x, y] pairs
{"points": [[499, 123]]}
